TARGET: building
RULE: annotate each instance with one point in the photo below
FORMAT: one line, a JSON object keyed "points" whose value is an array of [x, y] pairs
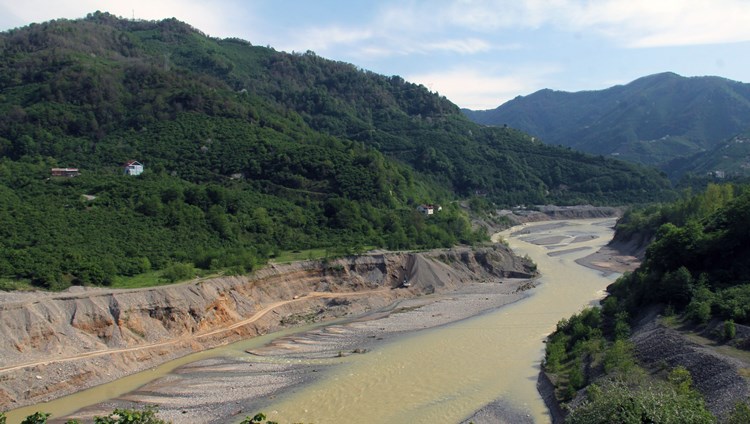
{"points": [[133, 168], [429, 209], [65, 172]]}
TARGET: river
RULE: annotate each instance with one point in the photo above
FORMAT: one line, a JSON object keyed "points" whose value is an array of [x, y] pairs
{"points": [[444, 374], [441, 374]]}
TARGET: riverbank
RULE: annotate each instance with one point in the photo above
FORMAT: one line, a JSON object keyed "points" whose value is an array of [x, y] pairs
{"points": [[228, 387], [221, 389], [63, 343], [609, 260], [243, 381]]}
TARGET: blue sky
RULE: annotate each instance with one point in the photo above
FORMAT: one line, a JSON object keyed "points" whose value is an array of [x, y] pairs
{"points": [[479, 54]]}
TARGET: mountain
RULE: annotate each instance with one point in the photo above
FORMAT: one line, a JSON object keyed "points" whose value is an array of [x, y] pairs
{"points": [[651, 120], [247, 151]]}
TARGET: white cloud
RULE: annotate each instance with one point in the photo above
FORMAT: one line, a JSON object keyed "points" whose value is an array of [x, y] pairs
{"points": [[371, 42], [320, 39], [461, 46], [481, 89], [471, 27], [633, 23]]}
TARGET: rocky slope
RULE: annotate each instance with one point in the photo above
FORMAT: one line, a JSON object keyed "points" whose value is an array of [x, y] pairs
{"points": [[54, 344], [717, 376]]}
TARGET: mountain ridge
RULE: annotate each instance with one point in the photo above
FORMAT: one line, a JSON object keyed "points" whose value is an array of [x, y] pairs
{"points": [[651, 120]]}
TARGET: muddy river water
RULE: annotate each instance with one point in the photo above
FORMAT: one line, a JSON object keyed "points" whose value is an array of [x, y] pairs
{"points": [[445, 373]]}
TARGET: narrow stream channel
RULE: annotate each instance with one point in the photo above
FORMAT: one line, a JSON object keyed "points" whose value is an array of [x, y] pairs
{"points": [[437, 375]]}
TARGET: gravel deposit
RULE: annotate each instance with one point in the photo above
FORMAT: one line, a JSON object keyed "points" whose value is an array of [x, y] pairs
{"points": [[226, 389], [717, 376]]}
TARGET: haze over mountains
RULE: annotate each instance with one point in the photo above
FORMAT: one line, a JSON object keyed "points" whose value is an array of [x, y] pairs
{"points": [[652, 120]]}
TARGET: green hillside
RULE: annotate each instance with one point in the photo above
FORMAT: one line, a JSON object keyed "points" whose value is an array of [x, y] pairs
{"points": [[729, 159], [247, 151], [695, 272], [651, 120]]}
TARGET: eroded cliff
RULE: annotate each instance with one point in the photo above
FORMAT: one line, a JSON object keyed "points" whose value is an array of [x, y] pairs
{"points": [[55, 344]]}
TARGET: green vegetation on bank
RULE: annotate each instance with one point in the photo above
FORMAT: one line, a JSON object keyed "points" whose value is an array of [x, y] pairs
{"points": [[146, 415], [697, 266], [698, 262], [591, 350], [248, 152]]}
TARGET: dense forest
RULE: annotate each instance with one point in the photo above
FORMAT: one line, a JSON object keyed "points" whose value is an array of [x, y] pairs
{"points": [[248, 151], [696, 270]]}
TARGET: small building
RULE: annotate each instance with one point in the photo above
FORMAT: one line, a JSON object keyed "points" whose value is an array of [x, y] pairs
{"points": [[429, 209], [65, 172], [133, 167]]}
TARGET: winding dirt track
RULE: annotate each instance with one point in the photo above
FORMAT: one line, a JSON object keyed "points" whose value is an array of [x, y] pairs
{"points": [[250, 320]]}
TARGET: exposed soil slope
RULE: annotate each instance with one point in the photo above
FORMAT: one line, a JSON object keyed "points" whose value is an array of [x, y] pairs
{"points": [[54, 344]]}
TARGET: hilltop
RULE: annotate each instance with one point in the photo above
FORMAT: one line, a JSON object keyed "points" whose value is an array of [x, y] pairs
{"points": [[652, 120]]}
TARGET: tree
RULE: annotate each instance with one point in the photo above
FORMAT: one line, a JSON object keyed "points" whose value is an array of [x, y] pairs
{"points": [[36, 418], [730, 330], [132, 416], [618, 402]]}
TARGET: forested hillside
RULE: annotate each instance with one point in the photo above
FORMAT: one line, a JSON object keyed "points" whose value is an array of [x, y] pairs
{"points": [[247, 151], [651, 120], [729, 160]]}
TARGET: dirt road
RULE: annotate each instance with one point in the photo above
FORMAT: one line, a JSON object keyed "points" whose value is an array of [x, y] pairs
{"points": [[250, 320]]}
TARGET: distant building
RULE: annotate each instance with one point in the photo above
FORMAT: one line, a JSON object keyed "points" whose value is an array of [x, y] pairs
{"points": [[429, 209], [133, 168], [65, 172]]}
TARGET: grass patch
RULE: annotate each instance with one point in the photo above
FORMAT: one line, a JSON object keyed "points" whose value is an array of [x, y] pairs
{"points": [[725, 349], [672, 321], [287, 256], [154, 279], [148, 279], [13, 285]]}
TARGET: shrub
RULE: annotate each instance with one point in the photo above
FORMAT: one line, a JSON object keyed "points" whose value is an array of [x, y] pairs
{"points": [[619, 357], [730, 330], [257, 419], [681, 379], [131, 416], [618, 402], [740, 414], [177, 272], [36, 418], [698, 311]]}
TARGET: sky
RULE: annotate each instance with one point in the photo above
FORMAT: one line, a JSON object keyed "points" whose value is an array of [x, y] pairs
{"points": [[477, 53]]}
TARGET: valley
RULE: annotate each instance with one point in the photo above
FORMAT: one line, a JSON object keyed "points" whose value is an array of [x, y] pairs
{"points": [[219, 228], [306, 361]]}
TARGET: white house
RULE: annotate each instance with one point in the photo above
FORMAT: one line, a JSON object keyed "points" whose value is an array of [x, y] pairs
{"points": [[65, 172], [133, 168], [429, 209]]}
